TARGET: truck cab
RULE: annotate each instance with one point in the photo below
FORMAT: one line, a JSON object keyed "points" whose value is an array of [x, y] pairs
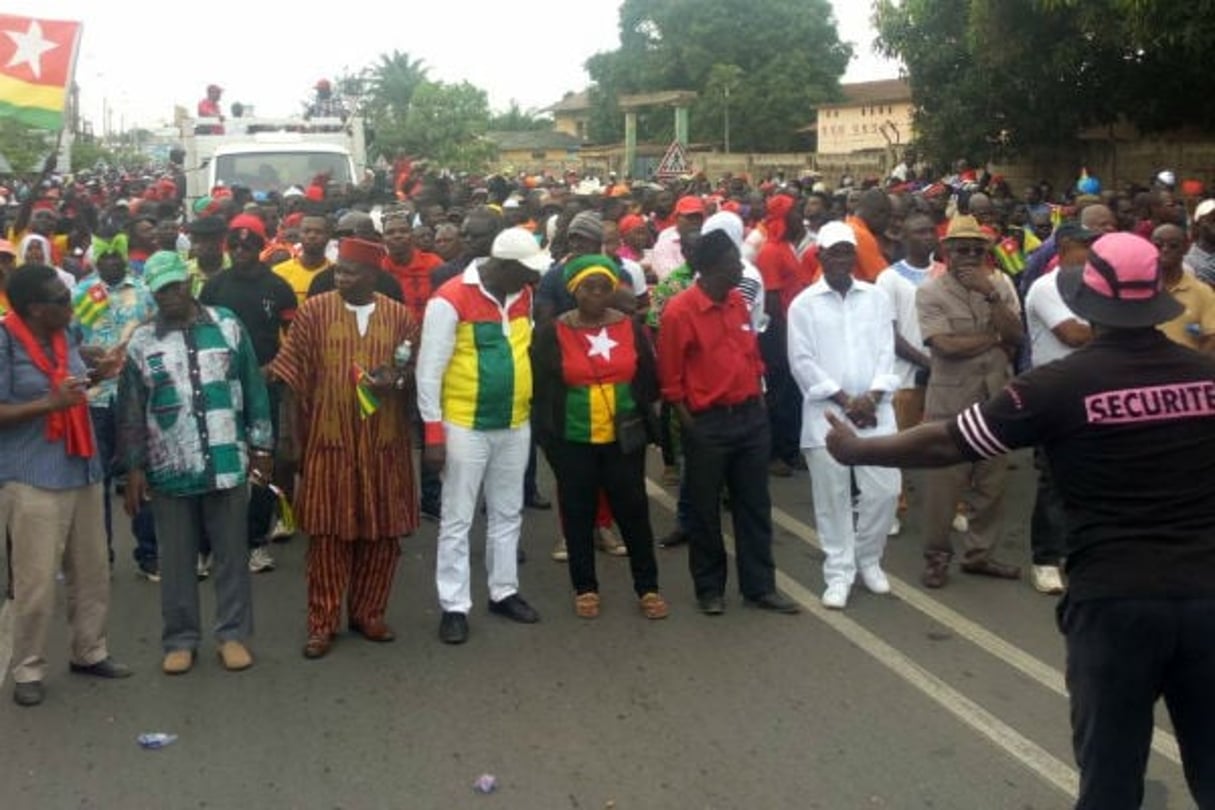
{"points": [[271, 155]]}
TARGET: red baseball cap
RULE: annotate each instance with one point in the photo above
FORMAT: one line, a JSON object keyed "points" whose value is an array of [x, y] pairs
{"points": [[690, 205]]}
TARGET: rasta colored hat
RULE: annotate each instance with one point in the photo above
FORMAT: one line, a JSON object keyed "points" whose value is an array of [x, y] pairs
{"points": [[1120, 285], [164, 267], [353, 250], [594, 264]]}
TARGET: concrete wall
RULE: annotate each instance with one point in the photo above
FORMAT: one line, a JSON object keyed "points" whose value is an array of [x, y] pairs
{"points": [[1117, 163], [846, 129]]}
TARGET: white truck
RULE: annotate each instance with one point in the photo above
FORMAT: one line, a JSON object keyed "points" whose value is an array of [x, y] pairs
{"points": [[267, 155]]}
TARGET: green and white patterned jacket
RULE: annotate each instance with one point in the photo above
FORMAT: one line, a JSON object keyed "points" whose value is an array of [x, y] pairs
{"points": [[191, 402]]}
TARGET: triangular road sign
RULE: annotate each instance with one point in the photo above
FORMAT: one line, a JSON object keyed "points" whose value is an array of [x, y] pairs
{"points": [[674, 163]]}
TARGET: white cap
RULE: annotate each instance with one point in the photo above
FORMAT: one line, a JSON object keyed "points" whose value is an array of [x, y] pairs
{"points": [[835, 232], [518, 244], [293, 191], [729, 223], [1205, 207]]}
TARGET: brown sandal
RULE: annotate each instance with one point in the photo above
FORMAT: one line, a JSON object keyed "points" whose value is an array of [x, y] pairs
{"points": [[586, 605], [653, 606]]}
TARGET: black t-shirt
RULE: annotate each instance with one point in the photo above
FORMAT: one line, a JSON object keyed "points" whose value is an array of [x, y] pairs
{"points": [[263, 302], [385, 284], [1128, 425]]}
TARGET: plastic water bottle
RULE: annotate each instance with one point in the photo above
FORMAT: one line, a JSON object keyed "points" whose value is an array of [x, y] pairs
{"points": [[401, 356], [156, 740]]}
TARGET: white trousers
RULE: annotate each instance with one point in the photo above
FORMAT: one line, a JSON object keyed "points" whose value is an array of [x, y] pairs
{"points": [[497, 459], [851, 545]]}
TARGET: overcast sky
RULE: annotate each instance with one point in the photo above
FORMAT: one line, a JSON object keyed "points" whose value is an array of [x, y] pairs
{"points": [[141, 59]]}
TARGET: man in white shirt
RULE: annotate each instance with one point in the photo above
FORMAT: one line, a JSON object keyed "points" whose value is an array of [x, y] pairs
{"points": [[841, 352], [1054, 333], [911, 360]]}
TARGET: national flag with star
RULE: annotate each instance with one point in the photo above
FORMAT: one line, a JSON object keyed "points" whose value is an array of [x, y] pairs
{"points": [[37, 58], [369, 403], [92, 305], [598, 366]]}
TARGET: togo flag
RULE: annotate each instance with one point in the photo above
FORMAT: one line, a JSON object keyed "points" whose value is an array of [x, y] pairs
{"points": [[92, 305], [37, 58], [368, 402]]}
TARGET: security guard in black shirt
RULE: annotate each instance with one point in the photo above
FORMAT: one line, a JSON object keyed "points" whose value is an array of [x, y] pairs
{"points": [[1128, 427]]}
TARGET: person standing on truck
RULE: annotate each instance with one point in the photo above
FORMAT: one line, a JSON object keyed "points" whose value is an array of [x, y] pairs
{"points": [[325, 105], [209, 108]]}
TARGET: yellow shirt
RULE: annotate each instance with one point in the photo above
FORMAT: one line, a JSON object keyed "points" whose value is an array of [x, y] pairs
{"points": [[299, 277], [1198, 320]]}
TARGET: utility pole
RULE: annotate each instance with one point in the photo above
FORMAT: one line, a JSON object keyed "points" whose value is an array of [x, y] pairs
{"points": [[726, 90]]}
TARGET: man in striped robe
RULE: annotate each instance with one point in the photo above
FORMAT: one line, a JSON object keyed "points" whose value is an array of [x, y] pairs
{"points": [[357, 497]]}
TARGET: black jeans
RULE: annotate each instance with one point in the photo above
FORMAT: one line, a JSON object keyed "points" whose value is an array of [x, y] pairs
{"points": [[784, 397], [730, 446], [1047, 533], [1123, 654], [582, 470]]}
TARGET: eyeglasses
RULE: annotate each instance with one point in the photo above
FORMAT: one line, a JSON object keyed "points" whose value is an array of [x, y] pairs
{"points": [[968, 250]]}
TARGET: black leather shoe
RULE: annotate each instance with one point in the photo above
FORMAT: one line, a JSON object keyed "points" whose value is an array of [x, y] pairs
{"points": [[713, 605], [105, 668], [453, 628], [29, 693], [776, 602], [537, 501], [677, 537], [514, 608]]}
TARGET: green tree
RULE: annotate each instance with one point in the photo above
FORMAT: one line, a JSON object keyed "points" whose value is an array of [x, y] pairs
{"points": [[445, 123], [392, 82], [991, 78], [788, 51], [516, 119], [24, 148]]}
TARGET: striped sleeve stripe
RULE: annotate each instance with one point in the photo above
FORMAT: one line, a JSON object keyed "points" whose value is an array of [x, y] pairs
{"points": [[978, 435]]}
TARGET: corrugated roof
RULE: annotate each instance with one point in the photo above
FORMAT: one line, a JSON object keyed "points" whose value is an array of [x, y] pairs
{"points": [[572, 102], [879, 92], [536, 140]]}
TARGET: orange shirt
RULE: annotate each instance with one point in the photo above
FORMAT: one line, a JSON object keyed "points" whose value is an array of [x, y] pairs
{"points": [[869, 257]]}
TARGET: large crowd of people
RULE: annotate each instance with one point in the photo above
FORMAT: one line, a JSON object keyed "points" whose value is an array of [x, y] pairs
{"points": [[240, 367]]}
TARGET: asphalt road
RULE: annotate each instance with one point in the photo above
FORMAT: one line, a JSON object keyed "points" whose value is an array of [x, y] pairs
{"points": [[949, 699]]}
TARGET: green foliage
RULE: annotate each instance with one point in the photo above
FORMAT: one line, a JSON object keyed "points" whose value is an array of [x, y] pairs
{"points": [[24, 148], [779, 58], [516, 119], [445, 123], [996, 77]]}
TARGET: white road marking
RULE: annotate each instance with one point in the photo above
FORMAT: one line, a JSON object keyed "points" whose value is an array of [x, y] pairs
{"points": [[1021, 748], [1163, 743]]}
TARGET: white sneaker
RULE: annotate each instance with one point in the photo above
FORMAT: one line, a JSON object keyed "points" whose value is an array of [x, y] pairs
{"points": [[961, 523], [875, 579], [895, 528], [559, 552], [1046, 579], [203, 569], [836, 596], [260, 560], [280, 531]]}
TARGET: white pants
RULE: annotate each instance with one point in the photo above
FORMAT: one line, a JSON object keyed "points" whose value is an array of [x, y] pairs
{"points": [[497, 458], [850, 545]]}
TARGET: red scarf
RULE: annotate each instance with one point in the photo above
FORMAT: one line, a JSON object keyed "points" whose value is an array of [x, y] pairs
{"points": [[71, 424]]}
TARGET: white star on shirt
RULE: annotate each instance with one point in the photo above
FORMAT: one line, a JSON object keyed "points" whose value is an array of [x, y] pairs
{"points": [[601, 345], [30, 47]]}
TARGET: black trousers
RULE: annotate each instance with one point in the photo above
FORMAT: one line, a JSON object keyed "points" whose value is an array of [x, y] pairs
{"points": [[1123, 654], [730, 446], [582, 471], [1047, 533], [783, 397]]}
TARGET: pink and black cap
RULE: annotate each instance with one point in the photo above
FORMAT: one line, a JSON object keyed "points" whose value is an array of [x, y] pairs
{"points": [[1120, 285]]}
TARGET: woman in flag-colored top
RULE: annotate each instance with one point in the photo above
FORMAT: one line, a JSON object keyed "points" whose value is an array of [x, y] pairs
{"points": [[357, 497], [594, 369]]}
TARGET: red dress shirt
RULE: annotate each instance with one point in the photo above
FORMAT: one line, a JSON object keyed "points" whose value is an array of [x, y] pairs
{"points": [[708, 355]]}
